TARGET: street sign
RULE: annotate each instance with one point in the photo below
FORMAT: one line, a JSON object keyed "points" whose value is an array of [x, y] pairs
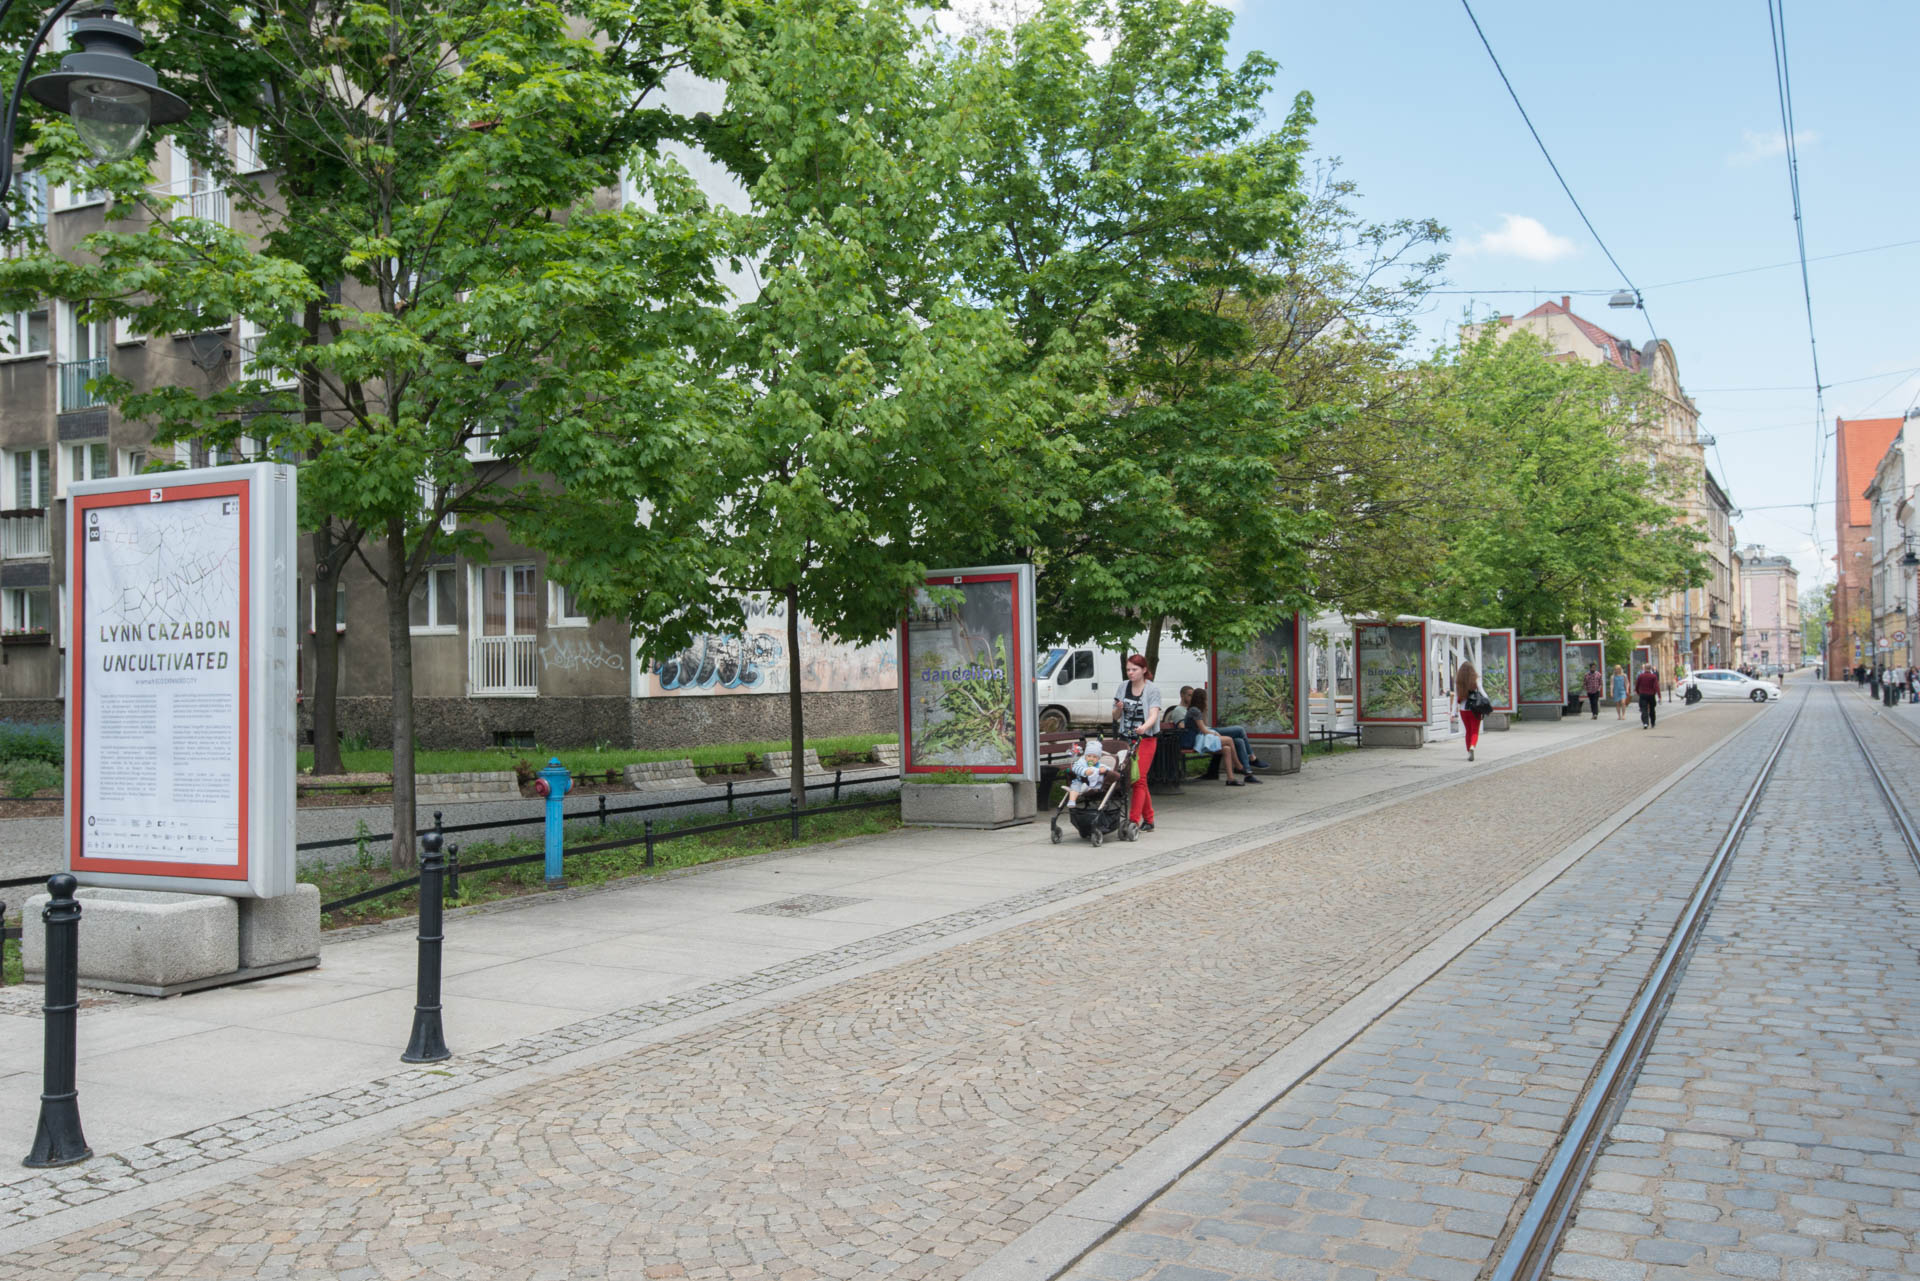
{"points": [[1899, 638]]}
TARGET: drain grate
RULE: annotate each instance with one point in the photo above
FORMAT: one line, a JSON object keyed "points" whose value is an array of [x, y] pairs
{"points": [[805, 905]]}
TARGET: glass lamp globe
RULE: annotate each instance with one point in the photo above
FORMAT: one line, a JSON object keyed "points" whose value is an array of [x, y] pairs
{"points": [[111, 116]]}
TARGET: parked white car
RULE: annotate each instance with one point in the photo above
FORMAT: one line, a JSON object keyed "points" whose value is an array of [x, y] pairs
{"points": [[1716, 683]]}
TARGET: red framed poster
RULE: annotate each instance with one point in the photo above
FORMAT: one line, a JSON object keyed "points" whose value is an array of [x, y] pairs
{"points": [[1497, 665], [1390, 673], [180, 707], [1541, 667], [966, 692], [1260, 689]]}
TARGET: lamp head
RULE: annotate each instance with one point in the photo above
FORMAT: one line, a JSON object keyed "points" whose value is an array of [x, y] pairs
{"points": [[1624, 298], [112, 96]]}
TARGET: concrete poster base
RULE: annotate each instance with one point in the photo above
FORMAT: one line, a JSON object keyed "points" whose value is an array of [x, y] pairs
{"points": [[1542, 711], [1497, 721], [1281, 758], [976, 805], [157, 943], [1393, 735]]}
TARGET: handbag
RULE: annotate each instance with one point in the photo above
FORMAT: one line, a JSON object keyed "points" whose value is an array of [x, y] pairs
{"points": [[1209, 742], [1478, 703]]}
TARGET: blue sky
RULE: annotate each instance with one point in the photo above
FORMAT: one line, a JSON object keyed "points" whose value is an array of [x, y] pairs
{"points": [[1665, 122]]}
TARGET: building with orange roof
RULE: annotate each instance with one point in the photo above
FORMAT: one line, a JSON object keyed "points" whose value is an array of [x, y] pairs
{"points": [[1859, 445], [1684, 629]]}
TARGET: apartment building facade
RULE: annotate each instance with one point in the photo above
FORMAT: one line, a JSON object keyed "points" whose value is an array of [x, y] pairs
{"points": [[1892, 554], [1859, 446], [1770, 602]]}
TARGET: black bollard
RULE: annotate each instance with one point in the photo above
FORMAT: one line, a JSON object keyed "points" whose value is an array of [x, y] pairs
{"points": [[58, 1140], [453, 873], [793, 814], [429, 1043], [603, 809]]}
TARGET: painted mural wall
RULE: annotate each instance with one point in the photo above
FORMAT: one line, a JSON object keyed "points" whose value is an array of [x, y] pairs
{"points": [[754, 660]]}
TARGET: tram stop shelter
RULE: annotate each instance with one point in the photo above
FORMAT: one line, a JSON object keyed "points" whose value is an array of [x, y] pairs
{"points": [[1404, 671]]}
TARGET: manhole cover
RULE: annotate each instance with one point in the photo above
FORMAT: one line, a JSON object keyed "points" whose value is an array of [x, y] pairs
{"points": [[805, 905]]}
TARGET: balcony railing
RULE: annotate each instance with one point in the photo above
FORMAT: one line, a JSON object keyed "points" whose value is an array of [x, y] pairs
{"points": [[74, 376], [205, 199], [24, 533], [504, 665]]}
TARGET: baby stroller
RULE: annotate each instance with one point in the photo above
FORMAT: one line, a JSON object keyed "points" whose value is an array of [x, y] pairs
{"points": [[1100, 814]]}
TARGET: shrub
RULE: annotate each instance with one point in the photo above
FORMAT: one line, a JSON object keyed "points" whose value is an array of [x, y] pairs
{"points": [[22, 741], [25, 777]]}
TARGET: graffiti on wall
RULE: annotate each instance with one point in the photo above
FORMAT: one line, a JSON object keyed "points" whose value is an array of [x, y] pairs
{"points": [[579, 654], [755, 661]]}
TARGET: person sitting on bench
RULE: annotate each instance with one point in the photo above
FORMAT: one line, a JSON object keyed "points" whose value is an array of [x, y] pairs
{"points": [[1195, 736]]}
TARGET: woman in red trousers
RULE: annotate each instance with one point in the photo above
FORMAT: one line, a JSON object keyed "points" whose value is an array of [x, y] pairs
{"points": [[1137, 707], [1465, 682]]}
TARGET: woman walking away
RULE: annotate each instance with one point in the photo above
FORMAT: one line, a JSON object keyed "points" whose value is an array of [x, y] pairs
{"points": [[1473, 703], [1592, 689], [1620, 691], [1138, 708]]}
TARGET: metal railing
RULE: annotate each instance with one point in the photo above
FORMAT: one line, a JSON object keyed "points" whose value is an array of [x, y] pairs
{"points": [[504, 665], [74, 376], [207, 200], [23, 535]]}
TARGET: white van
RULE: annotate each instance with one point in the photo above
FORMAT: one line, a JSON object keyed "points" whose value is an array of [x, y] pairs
{"points": [[1078, 683]]}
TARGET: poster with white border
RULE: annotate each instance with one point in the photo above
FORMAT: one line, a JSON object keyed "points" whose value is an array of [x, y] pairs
{"points": [[180, 715]]}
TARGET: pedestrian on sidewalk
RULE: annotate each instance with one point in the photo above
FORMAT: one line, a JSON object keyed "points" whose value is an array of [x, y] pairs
{"points": [[1473, 703], [1137, 708], [1620, 692], [1647, 685], [1197, 736], [1591, 687]]}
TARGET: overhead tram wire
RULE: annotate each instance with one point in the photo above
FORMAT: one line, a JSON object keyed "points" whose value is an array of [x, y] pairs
{"points": [[1783, 88], [1639, 301], [1694, 280]]}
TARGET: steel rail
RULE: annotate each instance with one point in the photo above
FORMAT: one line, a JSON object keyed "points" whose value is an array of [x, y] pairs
{"points": [[1531, 1247], [1901, 818]]}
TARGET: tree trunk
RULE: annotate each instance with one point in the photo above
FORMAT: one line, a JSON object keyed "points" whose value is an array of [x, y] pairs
{"points": [[326, 656], [796, 730], [1153, 642], [400, 649]]}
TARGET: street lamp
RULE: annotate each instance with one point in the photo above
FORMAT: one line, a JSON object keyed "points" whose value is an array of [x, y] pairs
{"points": [[112, 96]]}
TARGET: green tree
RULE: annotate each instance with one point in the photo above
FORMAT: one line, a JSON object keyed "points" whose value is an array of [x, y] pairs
{"points": [[1577, 517], [878, 416], [468, 325], [1119, 201], [1816, 612]]}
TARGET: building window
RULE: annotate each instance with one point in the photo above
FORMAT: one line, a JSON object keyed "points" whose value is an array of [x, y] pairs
{"points": [[431, 607], [30, 474], [24, 609], [86, 461], [32, 200], [339, 607], [563, 609], [70, 197], [25, 332], [134, 461]]}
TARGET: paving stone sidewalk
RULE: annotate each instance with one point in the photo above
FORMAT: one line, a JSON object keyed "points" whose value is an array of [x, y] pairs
{"points": [[1772, 1131], [910, 1121], [1406, 1154]]}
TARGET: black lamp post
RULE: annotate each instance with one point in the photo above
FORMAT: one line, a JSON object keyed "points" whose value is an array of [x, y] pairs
{"points": [[112, 96]]}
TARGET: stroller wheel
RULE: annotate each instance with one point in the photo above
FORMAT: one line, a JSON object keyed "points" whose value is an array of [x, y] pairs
{"points": [[1056, 833], [1097, 838]]}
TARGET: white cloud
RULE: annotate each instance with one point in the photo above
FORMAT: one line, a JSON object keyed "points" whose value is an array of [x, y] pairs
{"points": [[1522, 237], [1756, 146]]}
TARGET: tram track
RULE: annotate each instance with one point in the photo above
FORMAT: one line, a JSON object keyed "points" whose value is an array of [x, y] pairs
{"points": [[1528, 1251]]}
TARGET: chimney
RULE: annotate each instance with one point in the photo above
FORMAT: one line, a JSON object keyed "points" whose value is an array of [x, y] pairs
{"points": [[1566, 303]]}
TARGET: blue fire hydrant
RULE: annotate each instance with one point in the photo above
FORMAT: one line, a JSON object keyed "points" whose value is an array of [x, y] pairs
{"points": [[554, 783]]}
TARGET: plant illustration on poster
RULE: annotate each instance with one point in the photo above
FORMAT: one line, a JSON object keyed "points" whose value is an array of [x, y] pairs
{"points": [[1541, 680], [1256, 688], [1390, 680], [962, 682], [1580, 656], [1495, 679]]}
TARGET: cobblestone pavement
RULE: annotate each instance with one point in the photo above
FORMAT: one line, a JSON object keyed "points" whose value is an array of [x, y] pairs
{"points": [[911, 1121], [1406, 1153], [1772, 1131]]}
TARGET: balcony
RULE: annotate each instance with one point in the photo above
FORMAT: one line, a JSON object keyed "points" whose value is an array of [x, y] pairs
{"points": [[74, 376], [504, 665], [23, 534], [206, 199]]}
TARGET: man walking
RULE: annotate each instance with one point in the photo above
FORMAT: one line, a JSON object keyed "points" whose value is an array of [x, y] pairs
{"points": [[1647, 685]]}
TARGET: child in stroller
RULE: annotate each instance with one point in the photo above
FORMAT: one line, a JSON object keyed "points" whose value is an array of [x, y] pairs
{"points": [[1095, 800]]}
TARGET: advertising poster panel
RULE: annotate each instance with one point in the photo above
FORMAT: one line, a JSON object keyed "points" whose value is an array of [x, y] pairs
{"points": [[180, 719], [1580, 655], [1260, 689], [1540, 662], [1496, 670], [966, 691], [1391, 663], [1642, 657]]}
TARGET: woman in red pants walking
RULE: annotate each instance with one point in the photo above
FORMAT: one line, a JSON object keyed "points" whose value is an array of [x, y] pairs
{"points": [[1466, 683], [1137, 707]]}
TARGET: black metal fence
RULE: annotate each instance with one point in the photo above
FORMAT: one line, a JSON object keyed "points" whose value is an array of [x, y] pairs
{"points": [[9, 933], [648, 838]]}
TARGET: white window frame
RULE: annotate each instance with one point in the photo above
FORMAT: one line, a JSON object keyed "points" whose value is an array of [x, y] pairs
{"points": [[39, 480], [247, 335], [429, 495], [67, 472], [339, 606], [435, 624], [15, 613], [246, 148], [557, 615], [68, 337], [34, 194], [131, 461], [14, 323], [246, 448], [66, 197]]}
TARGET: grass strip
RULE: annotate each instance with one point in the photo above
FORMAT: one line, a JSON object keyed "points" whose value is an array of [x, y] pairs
{"points": [[589, 760]]}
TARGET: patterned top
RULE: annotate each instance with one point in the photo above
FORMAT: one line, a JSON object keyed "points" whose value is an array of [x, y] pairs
{"points": [[1135, 707]]}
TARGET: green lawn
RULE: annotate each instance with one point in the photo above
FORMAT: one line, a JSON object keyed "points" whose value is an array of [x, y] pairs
{"points": [[589, 759]]}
